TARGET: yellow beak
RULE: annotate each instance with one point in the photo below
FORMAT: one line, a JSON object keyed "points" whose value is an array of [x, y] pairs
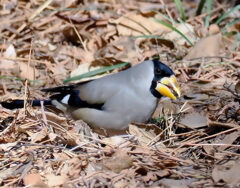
{"points": [[168, 87]]}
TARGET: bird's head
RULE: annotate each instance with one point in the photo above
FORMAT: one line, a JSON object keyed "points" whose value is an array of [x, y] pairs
{"points": [[164, 82]]}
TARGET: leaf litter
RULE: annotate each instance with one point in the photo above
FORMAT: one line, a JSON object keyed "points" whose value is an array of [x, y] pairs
{"points": [[191, 142]]}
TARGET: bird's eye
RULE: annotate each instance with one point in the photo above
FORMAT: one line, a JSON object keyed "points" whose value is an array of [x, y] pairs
{"points": [[158, 71]]}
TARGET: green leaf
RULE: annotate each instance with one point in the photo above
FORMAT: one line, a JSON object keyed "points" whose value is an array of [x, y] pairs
{"points": [[227, 13], [95, 72], [209, 9], [229, 24], [180, 9], [200, 7], [141, 25], [17, 79], [174, 29]]}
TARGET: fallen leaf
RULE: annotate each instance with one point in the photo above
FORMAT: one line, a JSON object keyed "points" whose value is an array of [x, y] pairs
{"points": [[54, 180], [84, 68], [203, 49], [146, 133], [186, 29], [8, 146], [165, 107], [181, 183], [120, 160], [228, 139], [34, 180], [229, 173], [27, 72], [116, 141], [133, 24], [39, 136], [194, 120]]}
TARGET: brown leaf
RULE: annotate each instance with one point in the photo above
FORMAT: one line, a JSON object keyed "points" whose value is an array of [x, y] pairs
{"points": [[54, 180], [184, 28], [27, 72], [34, 180], [203, 49], [120, 160], [228, 139], [145, 133], [7, 147], [116, 141], [39, 136], [181, 183], [229, 173], [133, 24], [84, 68], [194, 120], [165, 107]]}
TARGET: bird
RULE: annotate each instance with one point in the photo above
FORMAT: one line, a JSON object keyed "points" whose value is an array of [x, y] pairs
{"points": [[114, 101]]}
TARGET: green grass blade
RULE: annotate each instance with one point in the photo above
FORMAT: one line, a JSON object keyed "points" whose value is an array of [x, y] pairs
{"points": [[209, 9], [141, 25], [229, 24], [174, 29], [166, 17], [180, 9], [200, 7], [95, 72], [17, 79], [12, 78], [227, 13]]}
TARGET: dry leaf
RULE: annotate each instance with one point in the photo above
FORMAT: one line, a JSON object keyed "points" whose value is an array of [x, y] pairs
{"points": [[145, 133], [203, 49], [84, 68], [181, 183], [194, 120], [7, 147], [120, 160], [39, 136], [54, 180], [184, 28], [116, 141], [133, 24], [229, 173], [228, 139], [27, 72], [34, 180], [165, 106]]}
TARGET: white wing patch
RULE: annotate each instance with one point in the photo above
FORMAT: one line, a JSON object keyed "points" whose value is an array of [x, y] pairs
{"points": [[65, 99]]}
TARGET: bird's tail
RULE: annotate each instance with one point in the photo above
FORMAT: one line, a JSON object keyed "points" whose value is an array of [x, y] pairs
{"points": [[20, 103]]}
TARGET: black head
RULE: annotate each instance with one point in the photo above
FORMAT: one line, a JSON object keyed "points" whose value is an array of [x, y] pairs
{"points": [[161, 72]]}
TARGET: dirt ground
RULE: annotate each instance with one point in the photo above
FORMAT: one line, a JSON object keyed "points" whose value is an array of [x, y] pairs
{"points": [[190, 142]]}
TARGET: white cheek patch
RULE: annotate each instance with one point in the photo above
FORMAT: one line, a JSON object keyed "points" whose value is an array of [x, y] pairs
{"points": [[65, 99]]}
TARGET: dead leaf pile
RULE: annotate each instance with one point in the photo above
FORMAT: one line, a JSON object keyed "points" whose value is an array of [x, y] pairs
{"points": [[191, 142]]}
